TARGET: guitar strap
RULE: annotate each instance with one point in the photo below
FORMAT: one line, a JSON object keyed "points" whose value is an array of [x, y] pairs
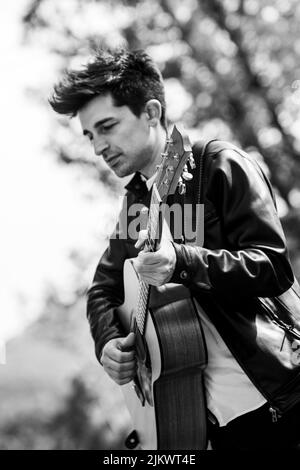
{"points": [[197, 212], [199, 149]]}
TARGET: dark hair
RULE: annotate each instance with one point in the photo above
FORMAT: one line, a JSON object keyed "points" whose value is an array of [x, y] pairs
{"points": [[131, 77]]}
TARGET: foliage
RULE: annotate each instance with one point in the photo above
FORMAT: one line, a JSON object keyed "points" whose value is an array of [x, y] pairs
{"points": [[235, 63], [54, 394], [233, 66], [71, 428]]}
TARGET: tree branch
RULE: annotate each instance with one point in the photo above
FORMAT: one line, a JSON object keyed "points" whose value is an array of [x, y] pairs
{"points": [[216, 10]]}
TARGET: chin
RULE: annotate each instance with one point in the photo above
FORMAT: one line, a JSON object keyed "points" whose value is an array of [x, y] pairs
{"points": [[122, 172]]}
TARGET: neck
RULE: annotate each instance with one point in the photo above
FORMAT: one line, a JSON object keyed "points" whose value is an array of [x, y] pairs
{"points": [[158, 148]]}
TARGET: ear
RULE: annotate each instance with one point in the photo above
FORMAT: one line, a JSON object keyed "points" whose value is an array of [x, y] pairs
{"points": [[153, 112]]}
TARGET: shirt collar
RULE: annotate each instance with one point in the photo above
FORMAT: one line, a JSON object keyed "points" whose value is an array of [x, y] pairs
{"points": [[137, 185]]}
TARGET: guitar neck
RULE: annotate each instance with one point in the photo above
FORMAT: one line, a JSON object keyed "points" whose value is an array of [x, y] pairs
{"points": [[177, 152], [154, 229], [154, 226]]}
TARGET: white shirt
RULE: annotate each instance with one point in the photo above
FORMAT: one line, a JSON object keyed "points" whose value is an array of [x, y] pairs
{"points": [[229, 391], [149, 182]]}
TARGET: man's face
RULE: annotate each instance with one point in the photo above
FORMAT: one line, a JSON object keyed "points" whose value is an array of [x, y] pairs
{"points": [[126, 142]]}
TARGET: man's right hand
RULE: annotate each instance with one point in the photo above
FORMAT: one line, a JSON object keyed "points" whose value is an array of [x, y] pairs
{"points": [[118, 360]]}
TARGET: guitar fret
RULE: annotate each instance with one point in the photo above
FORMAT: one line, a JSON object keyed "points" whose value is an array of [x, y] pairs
{"points": [[150, 243]]}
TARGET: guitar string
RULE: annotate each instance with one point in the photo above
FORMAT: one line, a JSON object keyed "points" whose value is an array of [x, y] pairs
{"points": [[143, 287], [150, 241]]}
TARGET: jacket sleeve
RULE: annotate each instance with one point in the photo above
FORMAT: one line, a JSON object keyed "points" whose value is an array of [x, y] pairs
{"points": [[107, 290], [253, 260], [105, 294]]}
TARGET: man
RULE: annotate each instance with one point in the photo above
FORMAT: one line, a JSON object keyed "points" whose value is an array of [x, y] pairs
{"points": [[241, 276]]}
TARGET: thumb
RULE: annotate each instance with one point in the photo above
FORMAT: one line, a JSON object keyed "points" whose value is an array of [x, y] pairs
{"points": [[127, 342], [142, 238]]}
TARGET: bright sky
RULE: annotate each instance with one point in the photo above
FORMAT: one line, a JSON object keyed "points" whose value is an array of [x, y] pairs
{"points": [[43, 214]]}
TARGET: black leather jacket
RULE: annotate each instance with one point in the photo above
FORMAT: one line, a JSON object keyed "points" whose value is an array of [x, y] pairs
{"points": [[241, 275]]}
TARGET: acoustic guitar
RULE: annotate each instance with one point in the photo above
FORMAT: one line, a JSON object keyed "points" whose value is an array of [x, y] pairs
{"points": [[166, 399]]}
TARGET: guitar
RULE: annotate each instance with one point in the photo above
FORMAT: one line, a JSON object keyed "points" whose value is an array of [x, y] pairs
{"points": [[166, 399]]}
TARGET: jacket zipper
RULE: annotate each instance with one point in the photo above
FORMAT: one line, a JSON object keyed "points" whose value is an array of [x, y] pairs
{"points": [[286, 327], [275, 414]]}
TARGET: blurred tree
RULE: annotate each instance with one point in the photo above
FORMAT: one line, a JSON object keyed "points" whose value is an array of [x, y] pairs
{"points": [[72, 427], [228, 56], [54, 394]]}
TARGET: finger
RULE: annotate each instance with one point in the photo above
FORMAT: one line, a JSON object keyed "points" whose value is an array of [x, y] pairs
{"points": [[121, 371], [121, 376], [143, 234], [119, 356], [128, 342], [153, 281], [152, 259], [126, 366], [140, 244], [124, 381], [121, 380], [148, 257], [159, 270], [152, 269], [142, 267]]}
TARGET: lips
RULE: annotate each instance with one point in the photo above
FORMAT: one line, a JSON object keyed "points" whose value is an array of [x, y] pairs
{"points": [[112, 160]]}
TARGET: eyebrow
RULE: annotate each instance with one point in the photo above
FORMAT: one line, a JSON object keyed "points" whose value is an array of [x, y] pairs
{"points": [[97, 124]]}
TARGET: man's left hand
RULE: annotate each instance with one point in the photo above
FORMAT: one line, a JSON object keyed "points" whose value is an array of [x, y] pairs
{"points": [[156, 268]]}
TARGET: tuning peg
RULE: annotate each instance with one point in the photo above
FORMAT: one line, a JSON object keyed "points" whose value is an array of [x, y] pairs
{"points": [[182, 189], [169, 141], [176, 156], [166, 181], [187, 176], [192, 161], [158, 167], [181, 186]]}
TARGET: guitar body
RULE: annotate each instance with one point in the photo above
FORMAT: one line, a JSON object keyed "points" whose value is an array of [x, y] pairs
{"points": [[166, 402]]}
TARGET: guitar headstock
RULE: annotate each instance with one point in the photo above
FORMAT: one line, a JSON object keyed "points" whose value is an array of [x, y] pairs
{"points": [[172, 169]]}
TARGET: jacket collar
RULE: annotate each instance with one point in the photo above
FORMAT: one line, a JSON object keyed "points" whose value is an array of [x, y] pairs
{"points": [[137, 185]]}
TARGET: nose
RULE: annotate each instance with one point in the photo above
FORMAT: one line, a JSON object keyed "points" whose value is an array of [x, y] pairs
{"points": [[100, 145]]}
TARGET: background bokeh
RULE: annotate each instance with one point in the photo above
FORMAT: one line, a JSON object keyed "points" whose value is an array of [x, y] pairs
{"points": [[232, 71]]}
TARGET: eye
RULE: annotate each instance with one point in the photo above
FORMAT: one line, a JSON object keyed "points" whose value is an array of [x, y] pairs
{"points": [[107, 127]]}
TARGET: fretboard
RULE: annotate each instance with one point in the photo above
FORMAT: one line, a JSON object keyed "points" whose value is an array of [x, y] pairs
{"points": [[152, 243]]}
